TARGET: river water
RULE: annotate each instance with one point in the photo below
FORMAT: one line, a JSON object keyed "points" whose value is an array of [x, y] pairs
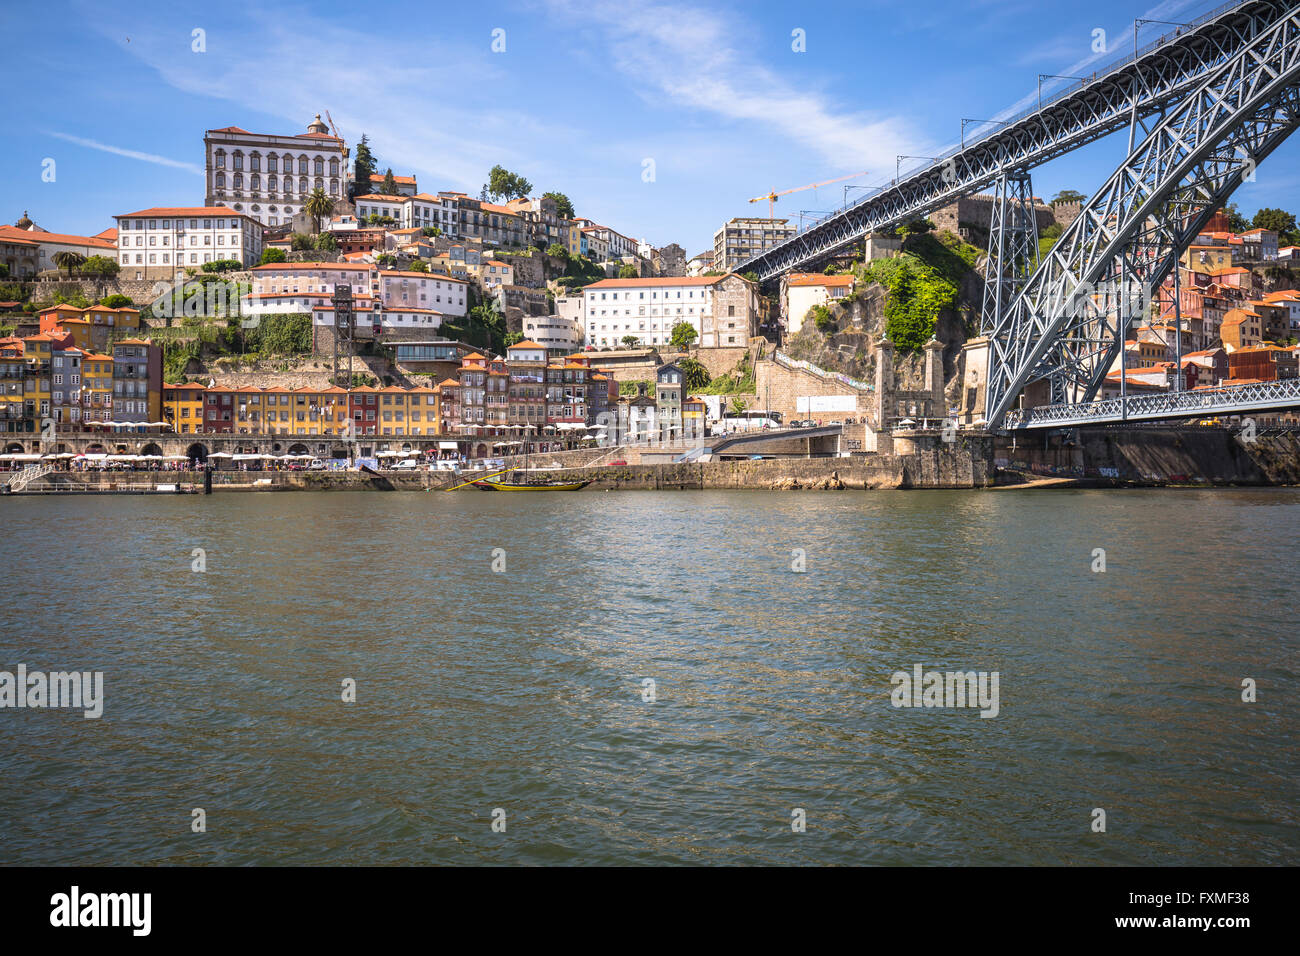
{"points": [[523, 690]]}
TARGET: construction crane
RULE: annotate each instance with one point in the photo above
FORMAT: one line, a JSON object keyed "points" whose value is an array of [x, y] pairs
{"points": [[772, 197], [334, 129]]}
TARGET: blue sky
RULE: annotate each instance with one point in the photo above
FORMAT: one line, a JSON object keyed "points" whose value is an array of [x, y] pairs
{"points": [[583, 94]]}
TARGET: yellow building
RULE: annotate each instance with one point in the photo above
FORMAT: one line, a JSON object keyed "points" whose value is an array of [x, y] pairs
{"points": [[96, 387], [183, 407], [13, 372], [38, 352]]}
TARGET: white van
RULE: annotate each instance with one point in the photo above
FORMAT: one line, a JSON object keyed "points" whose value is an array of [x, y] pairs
{"points": [[407, 464]]}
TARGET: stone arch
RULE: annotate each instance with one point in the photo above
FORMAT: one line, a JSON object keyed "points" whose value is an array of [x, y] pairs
{"points": [[95, 448], [14, 448], [298, 448], [197, 450], [480, 450], [152, 449]]}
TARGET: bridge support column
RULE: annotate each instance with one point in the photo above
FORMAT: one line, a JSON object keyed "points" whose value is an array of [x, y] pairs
{"points": [[1013, 245]]}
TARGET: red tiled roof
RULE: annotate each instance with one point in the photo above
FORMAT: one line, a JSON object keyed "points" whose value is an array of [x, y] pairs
{"points": [[673, 281], [184, 211]]}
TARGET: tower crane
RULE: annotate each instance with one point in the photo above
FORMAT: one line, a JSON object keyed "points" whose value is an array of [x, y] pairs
{"points": [[772, 197]]}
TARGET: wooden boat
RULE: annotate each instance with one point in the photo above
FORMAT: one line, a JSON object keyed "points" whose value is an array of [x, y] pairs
{"points": [[541, 484]]}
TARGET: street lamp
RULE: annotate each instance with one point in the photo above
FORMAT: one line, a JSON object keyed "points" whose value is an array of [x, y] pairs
{"points": [[846, 193], [898, 162], [981, 122], [1051, 76]]}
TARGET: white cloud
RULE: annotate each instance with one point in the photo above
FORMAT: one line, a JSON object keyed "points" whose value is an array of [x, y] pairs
{"points": [[129, 153], [683, 57]]}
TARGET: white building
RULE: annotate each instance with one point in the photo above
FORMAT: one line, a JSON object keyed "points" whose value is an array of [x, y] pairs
{"points": [[160, 242], [801, 291], [421, 290], [555, 332], [648, 309], [270, 177], [50, 244], [573, 308], [320, 278]]}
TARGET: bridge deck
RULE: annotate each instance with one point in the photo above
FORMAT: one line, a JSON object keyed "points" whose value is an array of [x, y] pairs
{"points": [[1201, 402]]}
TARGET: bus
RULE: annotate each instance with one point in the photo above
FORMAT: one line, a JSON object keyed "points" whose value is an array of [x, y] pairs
{"points": [[751, 420]]}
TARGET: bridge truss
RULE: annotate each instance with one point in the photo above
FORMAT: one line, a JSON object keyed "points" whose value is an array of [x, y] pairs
{"points": [[1203, 107], [1134, 89], [1069, 321]]}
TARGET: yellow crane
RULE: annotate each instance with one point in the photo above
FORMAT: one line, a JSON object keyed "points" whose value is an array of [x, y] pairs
{"points": [[772, 197]]}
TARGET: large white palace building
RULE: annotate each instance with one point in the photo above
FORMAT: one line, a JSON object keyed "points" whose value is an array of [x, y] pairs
{"points": [[270, 177]]}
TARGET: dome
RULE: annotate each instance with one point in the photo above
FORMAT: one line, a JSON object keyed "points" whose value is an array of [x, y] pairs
{"points": [[24, 222], [317, 126]]}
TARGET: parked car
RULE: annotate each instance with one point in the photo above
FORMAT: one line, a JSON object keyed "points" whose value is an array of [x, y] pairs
{"points": [[406, 464], [317, 465]]}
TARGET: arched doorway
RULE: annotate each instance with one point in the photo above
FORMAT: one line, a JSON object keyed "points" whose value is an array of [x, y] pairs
{"points": [[152, 449], [480, 450], [95, 448], [197, 451], [298, 448], [14, 448]]}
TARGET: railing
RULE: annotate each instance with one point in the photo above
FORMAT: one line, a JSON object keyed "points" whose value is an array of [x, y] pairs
{"points": [[1212, 401], [794, 363], [25, 477]]}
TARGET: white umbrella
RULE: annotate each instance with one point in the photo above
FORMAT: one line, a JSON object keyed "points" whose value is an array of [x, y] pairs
{"points": [[220, 454]]}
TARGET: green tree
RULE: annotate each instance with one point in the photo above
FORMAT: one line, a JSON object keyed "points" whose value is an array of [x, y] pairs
{"points": [[326, 243], [513, 338], [363, 168], [627, 272], [222, 265], [751, 276], [563, 205], [101, 267], [419, 265], [916, 227], [386, 259], [273, 255], [683, 335], [115, 301], [1236, 221], [630, 341], [503, 184], [389, 185], [430, 232], [1068, 195], [319, 206], [557, 251], [1277, 220], [4, 271], [696, 375], [301, 242], [69, 260]]}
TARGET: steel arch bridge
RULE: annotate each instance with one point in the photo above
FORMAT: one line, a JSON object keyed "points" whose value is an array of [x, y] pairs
{"points": [[1203, 107]]}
